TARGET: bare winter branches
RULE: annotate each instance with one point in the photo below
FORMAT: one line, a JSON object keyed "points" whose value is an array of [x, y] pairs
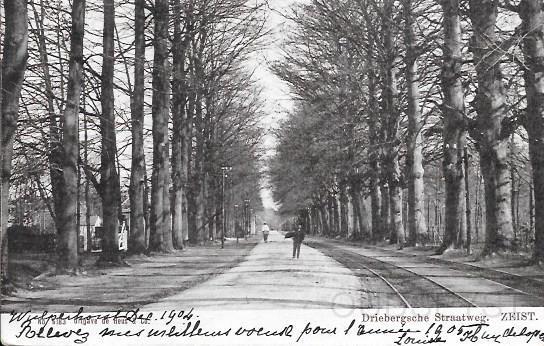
{"points": [[363, 125]]}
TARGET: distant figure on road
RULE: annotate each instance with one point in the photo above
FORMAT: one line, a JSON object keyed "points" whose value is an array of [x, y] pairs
{"points": [[298, 237], [265, 230]]}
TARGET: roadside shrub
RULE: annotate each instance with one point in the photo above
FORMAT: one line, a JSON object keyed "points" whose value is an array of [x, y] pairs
{"points": [[28, 239]]}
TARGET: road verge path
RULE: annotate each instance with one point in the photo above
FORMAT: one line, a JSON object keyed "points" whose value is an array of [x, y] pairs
{"points": [[145, 281]]}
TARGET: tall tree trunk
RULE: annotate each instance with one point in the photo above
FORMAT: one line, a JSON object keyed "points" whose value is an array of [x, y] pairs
{"points": [[196, 228], [191, 188], [186, 150], [196, 234], [375, 206], [532, 16], [319, 219], [374, 136], [414, 156], [330, 213], [177, 193], [467, 200], [323, 214], [395, 193], [365, 221], [67, 230], [178, 118], [490, 105], [137, 240], [161, 228], [13, 69], [385, 219], [218, 198], [147, 212], [314, 221], [336, 214], [531, 207], [353, 229], [358, 228], [462, 231], [453, 109], [391, 114], [55, 132], [110, 190], [477, 218], [205, 208], [343, 199], [512, 166], [208, 157], [87, 182], [2, 38]]}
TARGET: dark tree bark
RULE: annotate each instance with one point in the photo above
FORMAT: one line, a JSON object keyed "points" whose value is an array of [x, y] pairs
{"points": [[186, 159], [336, 215], [467, 201], [395, 193], [147, 212], [68, 231], [110, 190], [365, 221], [330, 213], [375, 203], [391, 114], [374, 133], [359, 227], [454, 121], [198, 176], [323, 215], [343, 199], [385, 219], [329, 216], [179, 118], [218, 210], [161, 227], [137, 240], [207, 172], [13, 69], [378, 229], [188, 150], [532, 16], [196, 235], [178, 112], [314, 221], [5, 285], [414, 157], [492, 138], [55, 132]]}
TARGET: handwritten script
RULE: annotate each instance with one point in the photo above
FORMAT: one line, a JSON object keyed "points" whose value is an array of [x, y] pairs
{"points": [[80, 328]]}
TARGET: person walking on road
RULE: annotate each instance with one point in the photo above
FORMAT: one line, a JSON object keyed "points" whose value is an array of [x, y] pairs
{"points": [[265, 231], [298, 237]]}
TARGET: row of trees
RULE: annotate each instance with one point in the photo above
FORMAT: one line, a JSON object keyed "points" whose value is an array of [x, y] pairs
{"points": [[181, 62], [387, 88]]}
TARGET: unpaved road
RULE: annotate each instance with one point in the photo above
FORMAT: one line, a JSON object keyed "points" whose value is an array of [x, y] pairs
{"points": [[414, 282]]}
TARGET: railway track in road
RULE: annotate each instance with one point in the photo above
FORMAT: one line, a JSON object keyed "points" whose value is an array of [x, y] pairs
{"points": [[472, 284], [519, 283], [411, 289]]}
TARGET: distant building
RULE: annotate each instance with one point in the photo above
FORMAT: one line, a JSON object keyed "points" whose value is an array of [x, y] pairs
{"points": [[96, 234]]}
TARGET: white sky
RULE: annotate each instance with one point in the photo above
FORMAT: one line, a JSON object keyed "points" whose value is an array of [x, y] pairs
{"points": [[276, 92]]}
